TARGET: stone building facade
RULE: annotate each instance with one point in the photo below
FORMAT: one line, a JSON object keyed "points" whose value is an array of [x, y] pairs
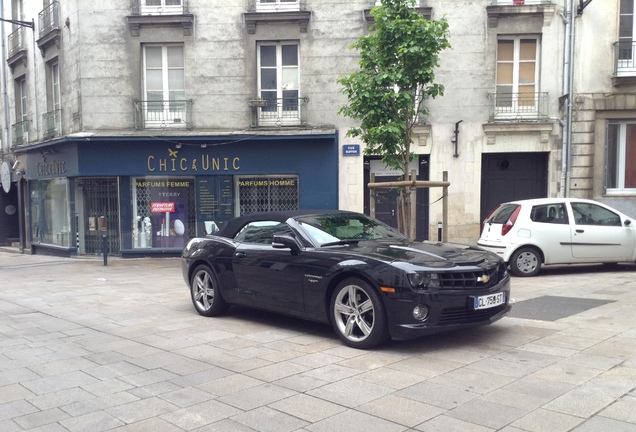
{"points": [[129, 115]]}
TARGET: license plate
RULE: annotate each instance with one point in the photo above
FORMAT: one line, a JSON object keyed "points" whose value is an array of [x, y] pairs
{"points": [[489, 301]]}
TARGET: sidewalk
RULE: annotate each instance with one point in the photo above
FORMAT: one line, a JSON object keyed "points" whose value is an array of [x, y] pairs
{"points": [[88, 347]]}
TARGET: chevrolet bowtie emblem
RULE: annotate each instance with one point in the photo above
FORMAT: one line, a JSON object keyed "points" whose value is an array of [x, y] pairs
{"points": [[483, 279]]}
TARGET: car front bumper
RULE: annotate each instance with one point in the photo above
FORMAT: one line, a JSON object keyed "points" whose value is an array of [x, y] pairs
{"points": [[448, 310]]}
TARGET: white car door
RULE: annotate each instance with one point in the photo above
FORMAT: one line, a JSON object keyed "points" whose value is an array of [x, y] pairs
{"points": [[599, 234]]}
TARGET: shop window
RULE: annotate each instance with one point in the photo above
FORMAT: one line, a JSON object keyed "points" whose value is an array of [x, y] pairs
{"points": [[50, 212], [267, 193], [163, 212], [620, 153]]}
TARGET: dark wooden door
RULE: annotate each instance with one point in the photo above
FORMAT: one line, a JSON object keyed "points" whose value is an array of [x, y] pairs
{"points": [[512, 176]]}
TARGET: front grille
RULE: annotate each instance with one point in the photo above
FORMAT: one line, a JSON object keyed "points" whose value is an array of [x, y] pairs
{"points": [[484, 278], [465, 316]]}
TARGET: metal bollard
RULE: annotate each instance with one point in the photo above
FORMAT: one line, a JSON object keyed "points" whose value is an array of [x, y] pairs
{"points": [[105, 240], [439, 231]]}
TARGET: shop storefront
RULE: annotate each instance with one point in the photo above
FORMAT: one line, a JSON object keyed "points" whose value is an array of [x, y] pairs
{"points": [[146, 196]]}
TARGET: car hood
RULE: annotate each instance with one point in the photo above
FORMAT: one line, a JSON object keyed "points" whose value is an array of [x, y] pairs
{"points": [[429, 254]]}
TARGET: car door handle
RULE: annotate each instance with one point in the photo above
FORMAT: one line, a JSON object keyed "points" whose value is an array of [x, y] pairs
{"points": [[580, 231], [240, 254]]}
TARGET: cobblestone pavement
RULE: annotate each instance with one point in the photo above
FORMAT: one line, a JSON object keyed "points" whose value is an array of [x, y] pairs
{"points": [[88, 347]]}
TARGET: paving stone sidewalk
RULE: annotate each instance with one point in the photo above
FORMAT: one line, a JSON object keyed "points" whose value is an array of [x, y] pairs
{"points": [[88, 347]]}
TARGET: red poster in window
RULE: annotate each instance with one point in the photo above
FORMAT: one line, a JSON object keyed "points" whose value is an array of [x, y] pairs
{"points": [[162, 207]]}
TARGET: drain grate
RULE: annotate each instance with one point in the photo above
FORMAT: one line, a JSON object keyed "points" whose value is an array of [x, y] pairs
{"points": [[552, 308]]}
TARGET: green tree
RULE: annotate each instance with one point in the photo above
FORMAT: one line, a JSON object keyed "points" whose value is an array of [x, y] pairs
{"points": [[396, 74]]}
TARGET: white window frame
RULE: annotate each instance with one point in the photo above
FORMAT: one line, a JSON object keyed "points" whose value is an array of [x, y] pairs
{"points": [[626, 63], [518, 2], [281, 115], [56, 101], [519, 106], [277, 5], [620, 162], [161, 7], [170, 114], [22, 114]]}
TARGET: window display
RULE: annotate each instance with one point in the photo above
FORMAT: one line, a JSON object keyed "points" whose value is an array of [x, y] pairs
{"points": [[163, 212], [50, 213]]}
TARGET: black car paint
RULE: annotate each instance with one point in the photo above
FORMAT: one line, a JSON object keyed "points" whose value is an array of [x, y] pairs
{"points": [[379, 263]]}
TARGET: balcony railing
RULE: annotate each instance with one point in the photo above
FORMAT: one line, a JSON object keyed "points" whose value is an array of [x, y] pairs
{"points": [[277, 5], [20, 133], [515, 107], [163, 114], [160, 7], [49, 18], [278, 112], [625, 58], [520, 2], [52, 124], [16, 41]]}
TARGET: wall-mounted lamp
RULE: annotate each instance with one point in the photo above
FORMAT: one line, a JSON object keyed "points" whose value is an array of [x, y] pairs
{"points": [[455, 137], [178, 146], [204, 146]]}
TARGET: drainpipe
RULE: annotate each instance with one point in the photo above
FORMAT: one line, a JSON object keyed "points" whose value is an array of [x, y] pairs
{"points": [[5, 97], [564, 189], [571, 97]]}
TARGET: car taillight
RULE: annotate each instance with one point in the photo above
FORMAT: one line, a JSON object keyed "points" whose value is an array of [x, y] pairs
{"points": [[483, 224], [505, 228]]}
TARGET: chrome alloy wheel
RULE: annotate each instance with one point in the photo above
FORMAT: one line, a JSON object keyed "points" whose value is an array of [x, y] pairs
{"points": [[202, 290], [354, 313], [205, 292]]}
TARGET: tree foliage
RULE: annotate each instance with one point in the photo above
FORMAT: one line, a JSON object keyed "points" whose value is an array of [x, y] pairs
{"points": [[396, 74]]}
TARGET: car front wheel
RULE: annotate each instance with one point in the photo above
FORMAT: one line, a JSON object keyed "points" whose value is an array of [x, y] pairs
{"points": [[205, 293], [358, 315], [525, 262]]}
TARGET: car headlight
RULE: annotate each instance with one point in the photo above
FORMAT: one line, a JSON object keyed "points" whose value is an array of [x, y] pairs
{"points": [[421, 280]]}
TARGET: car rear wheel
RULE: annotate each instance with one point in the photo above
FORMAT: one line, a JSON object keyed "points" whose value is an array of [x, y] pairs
{"points": [[205, 293], [358, 315], [525, 261]]}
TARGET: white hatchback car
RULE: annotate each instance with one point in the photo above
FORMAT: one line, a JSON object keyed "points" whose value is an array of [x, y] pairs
{"points": [[529, 233]]}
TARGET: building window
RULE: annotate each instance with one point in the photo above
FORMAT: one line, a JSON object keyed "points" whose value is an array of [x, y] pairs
{"points": [[21, 100], [267, 193], [620, 153], [278, 79], [517, 82], [161, 7], [625, 48], [52, 119], [164, 86]]}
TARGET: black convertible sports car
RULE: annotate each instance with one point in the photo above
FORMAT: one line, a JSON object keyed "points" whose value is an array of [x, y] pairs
{"points": [[344, 268]]}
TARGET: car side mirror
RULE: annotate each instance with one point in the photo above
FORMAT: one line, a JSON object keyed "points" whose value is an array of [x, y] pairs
{"points": [[285, 242], [627, 222]]}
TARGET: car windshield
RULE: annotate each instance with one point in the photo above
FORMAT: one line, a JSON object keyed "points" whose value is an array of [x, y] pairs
{"points": [[335, 228]]}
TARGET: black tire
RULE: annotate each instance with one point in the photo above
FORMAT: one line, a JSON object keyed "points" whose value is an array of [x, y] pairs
{"points": [[525, 262], [358, 315], [205, 292]]}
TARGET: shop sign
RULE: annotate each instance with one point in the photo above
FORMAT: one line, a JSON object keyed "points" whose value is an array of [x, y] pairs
{"points": [[5, 174], [203, 163]]}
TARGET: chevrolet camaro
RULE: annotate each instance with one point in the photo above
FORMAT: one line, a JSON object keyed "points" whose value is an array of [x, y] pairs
{"points": [[348, 270]]}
